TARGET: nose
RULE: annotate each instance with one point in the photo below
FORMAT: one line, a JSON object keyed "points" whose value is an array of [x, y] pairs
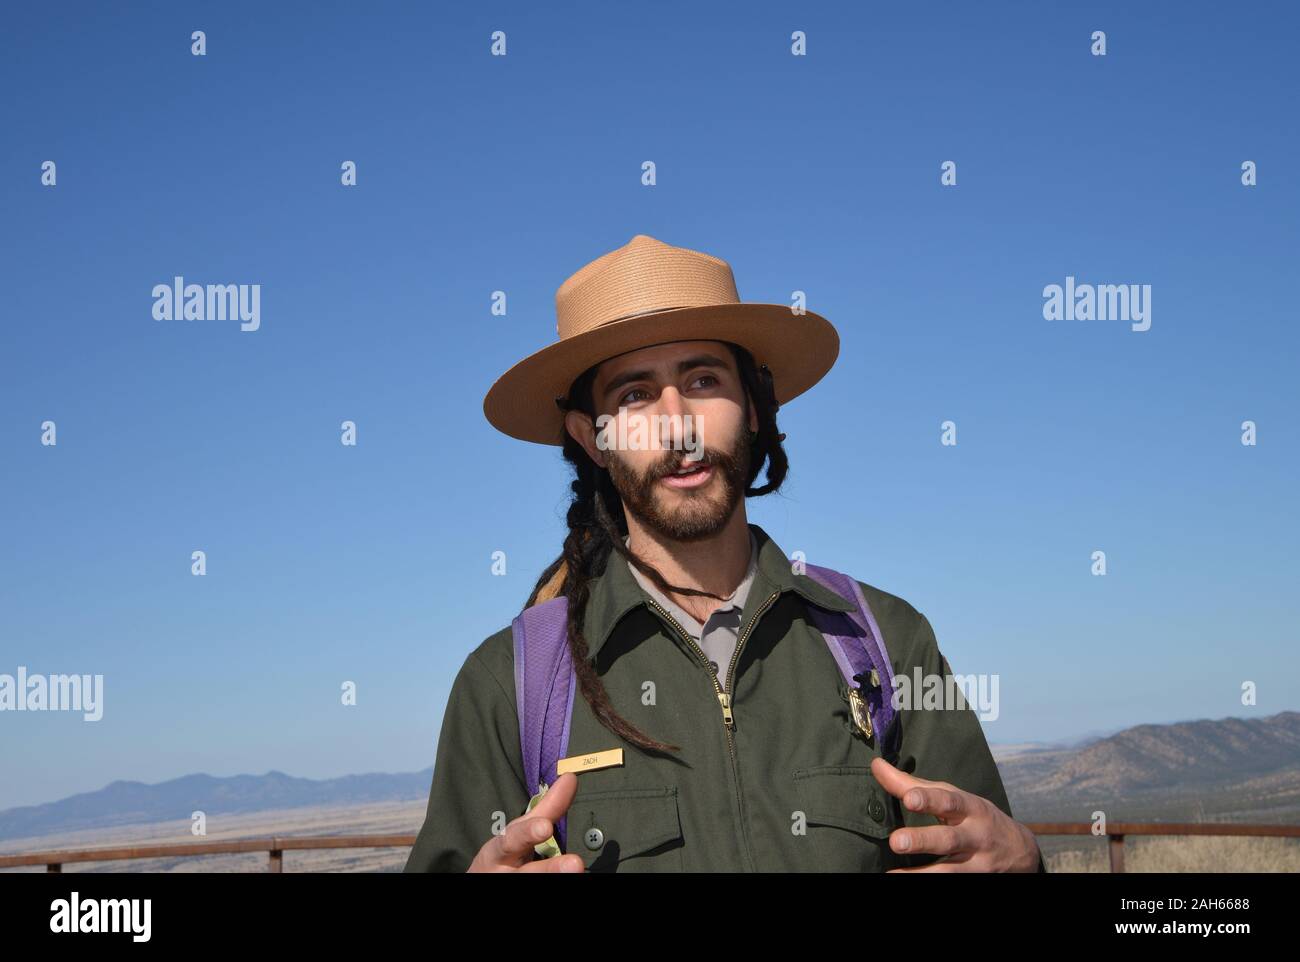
{"points": [[671, 418]]}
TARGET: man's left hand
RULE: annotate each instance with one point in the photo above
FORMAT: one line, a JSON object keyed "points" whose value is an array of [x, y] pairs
{"points": [[974, 835]]}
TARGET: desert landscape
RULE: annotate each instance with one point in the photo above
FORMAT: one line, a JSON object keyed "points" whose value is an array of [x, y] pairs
{"points": [[1227, 770]]}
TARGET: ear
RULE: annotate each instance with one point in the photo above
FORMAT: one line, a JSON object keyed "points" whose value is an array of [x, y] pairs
{"points": [[753, 412], [583, 430]]}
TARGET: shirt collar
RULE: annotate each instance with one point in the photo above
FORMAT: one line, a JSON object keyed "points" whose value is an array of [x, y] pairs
{"points": [[615, 593], [736, 601]]}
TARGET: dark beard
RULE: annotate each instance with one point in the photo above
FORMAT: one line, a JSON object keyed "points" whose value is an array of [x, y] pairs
{"points": [[700, 513]]}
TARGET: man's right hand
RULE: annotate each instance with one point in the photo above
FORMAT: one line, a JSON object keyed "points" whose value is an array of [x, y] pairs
{"points": [[512, 850]]}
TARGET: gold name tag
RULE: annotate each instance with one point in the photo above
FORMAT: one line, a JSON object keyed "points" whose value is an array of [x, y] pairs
{"points": [[587, 763]]}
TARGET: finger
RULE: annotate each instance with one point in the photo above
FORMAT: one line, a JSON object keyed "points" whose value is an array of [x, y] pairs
{"points": [[949, 863], [557, 863], [939, 866], [894, 781], [558, 797], [514, 846], [928, 840], [948, 805]]}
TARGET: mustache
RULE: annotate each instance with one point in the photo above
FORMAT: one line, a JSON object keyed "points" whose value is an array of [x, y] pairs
{"points": [[675, 458]]}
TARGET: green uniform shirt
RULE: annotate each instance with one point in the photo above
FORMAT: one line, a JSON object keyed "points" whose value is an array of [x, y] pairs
{"points": [[788, 789]]}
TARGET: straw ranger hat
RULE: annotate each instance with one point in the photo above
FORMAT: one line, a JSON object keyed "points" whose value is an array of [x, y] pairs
{"points": [[644, 293]]}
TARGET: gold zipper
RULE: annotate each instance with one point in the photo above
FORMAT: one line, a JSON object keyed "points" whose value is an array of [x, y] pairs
{"points": [[724, 694], [735, 656]]}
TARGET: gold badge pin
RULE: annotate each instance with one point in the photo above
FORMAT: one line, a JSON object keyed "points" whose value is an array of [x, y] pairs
{"points": [[858, 706], [609, 758]]}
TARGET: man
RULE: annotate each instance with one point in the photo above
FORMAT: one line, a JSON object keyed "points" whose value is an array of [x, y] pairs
{"points": [[688, 628]]}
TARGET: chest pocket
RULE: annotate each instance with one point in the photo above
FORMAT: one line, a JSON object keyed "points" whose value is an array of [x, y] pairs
{"points": [[626, 830], [840, 799]]}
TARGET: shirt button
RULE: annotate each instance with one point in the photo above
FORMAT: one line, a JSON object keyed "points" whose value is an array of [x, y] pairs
{"points": [[715, 666], [594, 838], [876, 809]]}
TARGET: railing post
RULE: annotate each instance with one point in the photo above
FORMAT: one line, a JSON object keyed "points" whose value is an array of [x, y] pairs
{"points": [[1116, 853], [277, 860]]}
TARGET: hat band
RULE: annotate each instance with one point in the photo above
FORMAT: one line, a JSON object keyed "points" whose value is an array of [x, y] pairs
{"points": [[628, 317]]}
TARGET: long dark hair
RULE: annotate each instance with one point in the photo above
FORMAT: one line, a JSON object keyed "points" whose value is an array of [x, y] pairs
{"points": [[597, 527]]}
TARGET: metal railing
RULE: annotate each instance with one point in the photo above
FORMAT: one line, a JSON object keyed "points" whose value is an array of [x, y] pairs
{"points": [[1116, 831], [275, 846]]}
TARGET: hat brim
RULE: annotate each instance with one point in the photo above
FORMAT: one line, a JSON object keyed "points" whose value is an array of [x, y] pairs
{"points": [[798, 349]]}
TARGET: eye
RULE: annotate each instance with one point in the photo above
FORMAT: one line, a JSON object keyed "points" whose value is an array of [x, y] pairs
{"points": [[623, 400]]}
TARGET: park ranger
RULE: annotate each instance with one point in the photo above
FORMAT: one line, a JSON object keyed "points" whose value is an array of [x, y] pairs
{"points": [[712, 729]]}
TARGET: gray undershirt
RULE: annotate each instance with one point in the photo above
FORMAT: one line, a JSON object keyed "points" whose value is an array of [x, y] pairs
{"points": [[717, 636]]}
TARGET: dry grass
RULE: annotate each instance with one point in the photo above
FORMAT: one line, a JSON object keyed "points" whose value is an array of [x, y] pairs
{"points": [[1188, 853], [379, 818]]}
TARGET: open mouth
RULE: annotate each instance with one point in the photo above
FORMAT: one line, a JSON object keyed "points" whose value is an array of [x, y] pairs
{"points": [[690, 474]]}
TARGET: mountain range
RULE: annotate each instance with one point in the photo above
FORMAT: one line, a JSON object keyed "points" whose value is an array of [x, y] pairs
{"points": [[1233, 769], [131, 803]]}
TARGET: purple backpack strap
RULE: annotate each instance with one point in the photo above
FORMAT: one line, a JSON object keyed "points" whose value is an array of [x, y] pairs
{"points": [[856, 642], [544, 685]]}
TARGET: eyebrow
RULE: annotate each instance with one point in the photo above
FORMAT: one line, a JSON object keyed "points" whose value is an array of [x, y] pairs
{"points": [[699, 360]]}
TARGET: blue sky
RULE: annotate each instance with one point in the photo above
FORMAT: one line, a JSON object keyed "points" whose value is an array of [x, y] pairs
{"points": [[816, 173]]}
